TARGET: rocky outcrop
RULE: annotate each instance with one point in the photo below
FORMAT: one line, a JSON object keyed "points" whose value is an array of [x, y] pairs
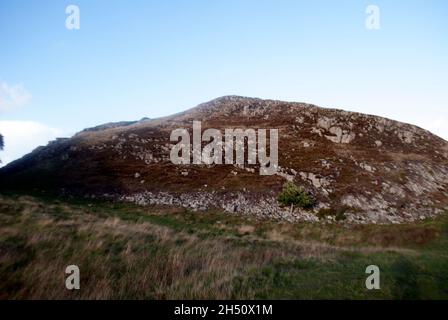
{"points": [[372, 169], [236, 203]]}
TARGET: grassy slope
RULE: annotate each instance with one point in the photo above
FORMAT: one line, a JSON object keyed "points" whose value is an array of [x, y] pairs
{"points": [[125, 251]]}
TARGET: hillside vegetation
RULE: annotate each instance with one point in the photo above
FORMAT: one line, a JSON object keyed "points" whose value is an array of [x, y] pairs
{"points": [[358, 168], [159, 252]]}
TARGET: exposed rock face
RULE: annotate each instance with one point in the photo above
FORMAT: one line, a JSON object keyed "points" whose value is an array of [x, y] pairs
{"points": [[375, 169], [233, 202]]}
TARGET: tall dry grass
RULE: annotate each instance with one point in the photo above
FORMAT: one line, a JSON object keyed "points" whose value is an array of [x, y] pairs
{"points": [[127, 252], [117, 259]]}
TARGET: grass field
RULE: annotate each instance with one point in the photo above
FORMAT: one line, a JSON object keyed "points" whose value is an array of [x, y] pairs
{"points": [[130, 252]]}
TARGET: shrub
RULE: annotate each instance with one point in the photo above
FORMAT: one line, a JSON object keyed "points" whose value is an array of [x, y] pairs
{"points": [[295, 195], [2, 144]]}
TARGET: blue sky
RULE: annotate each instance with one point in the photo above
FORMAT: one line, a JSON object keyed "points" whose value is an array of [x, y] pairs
{"points": [[134, 59]]}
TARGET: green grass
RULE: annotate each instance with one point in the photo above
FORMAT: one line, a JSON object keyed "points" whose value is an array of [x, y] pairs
{"points": [[401, 278], [130, 252]]}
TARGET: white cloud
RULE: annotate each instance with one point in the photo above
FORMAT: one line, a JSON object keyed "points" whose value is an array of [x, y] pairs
{"points": [[13, 96], [22, 137]]}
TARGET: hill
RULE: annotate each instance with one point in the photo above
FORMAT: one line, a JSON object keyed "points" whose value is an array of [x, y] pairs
{"points": [[359, 168]]}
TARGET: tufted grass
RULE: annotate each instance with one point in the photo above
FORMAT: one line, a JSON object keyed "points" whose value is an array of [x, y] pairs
{"points": [[130, 252]]}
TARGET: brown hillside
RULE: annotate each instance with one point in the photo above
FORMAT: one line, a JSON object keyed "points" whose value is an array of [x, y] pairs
{"points": [[360, 167]]}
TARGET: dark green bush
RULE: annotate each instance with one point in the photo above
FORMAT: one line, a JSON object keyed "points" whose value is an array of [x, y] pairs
{"points": [[295, 195], [2, 144]]}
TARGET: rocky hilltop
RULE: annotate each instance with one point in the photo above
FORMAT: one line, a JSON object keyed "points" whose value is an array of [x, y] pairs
{"points": [[366, 168]]}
